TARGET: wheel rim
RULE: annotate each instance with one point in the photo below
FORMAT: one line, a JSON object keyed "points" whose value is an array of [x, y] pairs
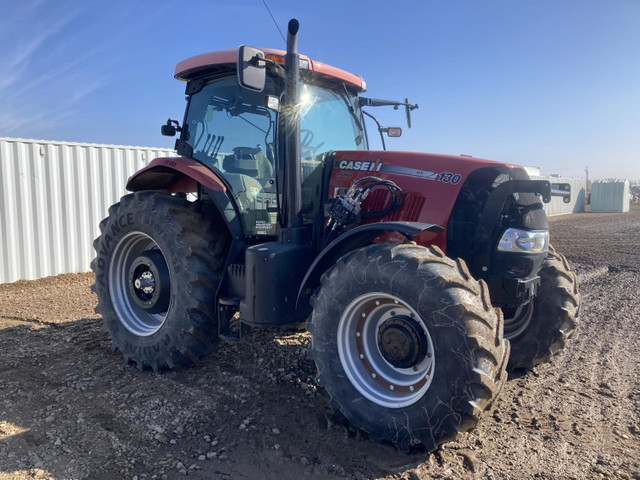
{"points": [[517, 320], [386, 350], [134, 278]]}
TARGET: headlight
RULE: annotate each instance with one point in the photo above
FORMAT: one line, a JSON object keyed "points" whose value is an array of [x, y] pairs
{"points": [[524, 241]]}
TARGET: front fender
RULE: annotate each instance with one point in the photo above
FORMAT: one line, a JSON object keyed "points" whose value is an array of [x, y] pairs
{"points": [[356, 238]]}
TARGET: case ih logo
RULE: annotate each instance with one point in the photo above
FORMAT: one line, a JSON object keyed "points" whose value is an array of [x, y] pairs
{"points": [[363, 166]]}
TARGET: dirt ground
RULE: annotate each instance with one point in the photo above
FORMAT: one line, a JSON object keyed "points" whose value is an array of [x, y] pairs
{"points": [[71, 409]]}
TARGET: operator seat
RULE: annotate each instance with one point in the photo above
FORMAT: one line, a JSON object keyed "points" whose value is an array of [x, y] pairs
{"points": [[251, 162]]}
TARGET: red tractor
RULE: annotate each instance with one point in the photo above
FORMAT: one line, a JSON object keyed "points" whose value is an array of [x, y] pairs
{"points": [[414, 272]]}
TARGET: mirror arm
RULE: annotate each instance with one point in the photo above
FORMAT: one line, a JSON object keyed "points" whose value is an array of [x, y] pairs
{"points": [[374, 102], [256, 61], [274, 66], [381, 129], [176, 123]]}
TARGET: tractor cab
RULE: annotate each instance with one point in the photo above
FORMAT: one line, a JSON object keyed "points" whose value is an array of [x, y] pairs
{"points": [[239, 132]]}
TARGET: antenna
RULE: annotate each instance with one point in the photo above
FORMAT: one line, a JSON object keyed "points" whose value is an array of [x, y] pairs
{"points": [[274, 20]]}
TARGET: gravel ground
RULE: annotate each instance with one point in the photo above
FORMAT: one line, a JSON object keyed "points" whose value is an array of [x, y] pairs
{"points": [[70, 408]]}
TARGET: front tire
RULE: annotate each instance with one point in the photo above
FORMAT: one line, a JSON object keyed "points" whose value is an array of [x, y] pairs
{"points": [[158, 265], [542, 328], [407, 344]]}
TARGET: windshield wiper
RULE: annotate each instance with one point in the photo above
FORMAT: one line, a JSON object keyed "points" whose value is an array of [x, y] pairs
{"points": [[354, 113], [235, 107], [254, 125]]}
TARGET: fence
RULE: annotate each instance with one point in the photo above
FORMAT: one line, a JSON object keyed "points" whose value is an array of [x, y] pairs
{"points": [[52, 198]]}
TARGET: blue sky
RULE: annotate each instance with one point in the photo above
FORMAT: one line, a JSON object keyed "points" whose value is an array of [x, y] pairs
{"points": [[548, 83]]}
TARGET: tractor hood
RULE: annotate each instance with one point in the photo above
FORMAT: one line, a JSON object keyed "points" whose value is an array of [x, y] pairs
{"points": [[432, 182], [428, 166]]}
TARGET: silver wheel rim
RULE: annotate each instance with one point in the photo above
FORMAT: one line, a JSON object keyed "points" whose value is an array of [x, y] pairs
{"points": [[367, 369], [134, 318], [517, 323]]}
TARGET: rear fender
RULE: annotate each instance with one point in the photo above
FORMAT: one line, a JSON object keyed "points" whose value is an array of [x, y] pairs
{"points": [[176, 174], [183, 175], [358, 237]]}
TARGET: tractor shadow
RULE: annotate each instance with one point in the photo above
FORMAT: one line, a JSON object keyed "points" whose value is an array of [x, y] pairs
{"points": [[281, 396], [70, 407], [46, 370]]}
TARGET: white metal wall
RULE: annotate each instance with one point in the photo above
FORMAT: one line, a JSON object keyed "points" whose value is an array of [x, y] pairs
{"points": [[578, 196], [610, 196], [53, 195]]}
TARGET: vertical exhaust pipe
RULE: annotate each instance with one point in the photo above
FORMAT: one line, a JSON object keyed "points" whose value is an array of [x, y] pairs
{"points": [[293, 190]]}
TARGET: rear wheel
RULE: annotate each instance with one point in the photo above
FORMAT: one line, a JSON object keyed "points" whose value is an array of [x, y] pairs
{"points": [[542, 327], [157, 268], [407, 344]]}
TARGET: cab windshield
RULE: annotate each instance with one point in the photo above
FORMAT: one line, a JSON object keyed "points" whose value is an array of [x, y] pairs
{"points": [[328, 121], [232, 132]]}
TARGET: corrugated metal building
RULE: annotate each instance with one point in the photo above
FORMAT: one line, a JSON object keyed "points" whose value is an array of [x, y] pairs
{"points": [[610, 195], [578, 196], [52, 198]]}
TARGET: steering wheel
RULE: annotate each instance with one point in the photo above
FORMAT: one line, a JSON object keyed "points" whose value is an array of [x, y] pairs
{"points": [[306, 137]]}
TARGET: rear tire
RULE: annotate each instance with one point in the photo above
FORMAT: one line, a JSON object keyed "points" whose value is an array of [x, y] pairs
{"points": [[158, 265], [553, 315], [407, 344]]}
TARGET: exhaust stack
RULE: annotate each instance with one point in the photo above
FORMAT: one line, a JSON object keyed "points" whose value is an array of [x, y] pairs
{"points": [[293, 189]]}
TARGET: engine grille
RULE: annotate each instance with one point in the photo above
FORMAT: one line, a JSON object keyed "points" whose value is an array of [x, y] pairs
{"points": [[379, 199]]}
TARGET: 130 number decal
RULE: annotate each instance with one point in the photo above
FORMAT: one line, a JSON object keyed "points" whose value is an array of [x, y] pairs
{"points": [[448, 177]]}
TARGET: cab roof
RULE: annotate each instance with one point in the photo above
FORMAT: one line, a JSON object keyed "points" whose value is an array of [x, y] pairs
{"points": [[194, 66]]}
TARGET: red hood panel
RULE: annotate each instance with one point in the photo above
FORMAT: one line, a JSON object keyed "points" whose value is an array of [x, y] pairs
{"points": [[436, 178]]}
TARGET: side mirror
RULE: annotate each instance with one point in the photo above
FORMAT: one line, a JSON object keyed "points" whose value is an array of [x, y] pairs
{"points": [[394, 131], [168, 130], [251, 72], [561, 190]]}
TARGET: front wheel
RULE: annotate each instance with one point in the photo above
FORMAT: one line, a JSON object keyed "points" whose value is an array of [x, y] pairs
{"points": [[157, 268], [407, 344], [542, 327]]}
